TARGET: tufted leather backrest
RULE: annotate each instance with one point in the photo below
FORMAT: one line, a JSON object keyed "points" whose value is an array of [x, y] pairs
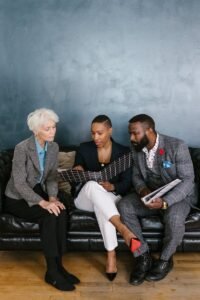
{"points": [[6, 157], [6, 166], [195, 155]]}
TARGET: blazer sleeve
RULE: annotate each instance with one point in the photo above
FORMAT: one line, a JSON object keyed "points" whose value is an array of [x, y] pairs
{"points": [[19, 174], [137, 178], [185, 172], [124, 183], [79, 158]]}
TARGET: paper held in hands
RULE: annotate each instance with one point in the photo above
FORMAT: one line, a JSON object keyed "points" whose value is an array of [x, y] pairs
{"points": [[160, 191]]}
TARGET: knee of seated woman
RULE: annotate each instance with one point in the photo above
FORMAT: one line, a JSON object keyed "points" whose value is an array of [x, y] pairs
{"points": [[91, 185]]}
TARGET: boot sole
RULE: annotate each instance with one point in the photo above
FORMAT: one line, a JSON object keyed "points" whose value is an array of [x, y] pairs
{"points": [[54, 284]]}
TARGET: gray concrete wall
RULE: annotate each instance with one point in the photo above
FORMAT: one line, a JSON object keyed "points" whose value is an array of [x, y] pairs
{"points": [[88, 57]]}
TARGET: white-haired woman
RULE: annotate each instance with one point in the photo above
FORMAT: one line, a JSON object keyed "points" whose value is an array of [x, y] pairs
{"points": [[31, 193]]}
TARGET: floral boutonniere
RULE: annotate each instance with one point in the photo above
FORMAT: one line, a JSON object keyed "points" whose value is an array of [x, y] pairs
{"points": [[161, 151], [165, 163]]}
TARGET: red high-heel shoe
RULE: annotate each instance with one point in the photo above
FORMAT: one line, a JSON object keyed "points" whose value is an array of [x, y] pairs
{"points": [[134, 244]]}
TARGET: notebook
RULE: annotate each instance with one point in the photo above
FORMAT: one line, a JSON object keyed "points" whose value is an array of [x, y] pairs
{"points": [[160, 191]]}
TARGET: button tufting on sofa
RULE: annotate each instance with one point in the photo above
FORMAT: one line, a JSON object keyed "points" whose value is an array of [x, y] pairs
{"points": [[83, 230]]}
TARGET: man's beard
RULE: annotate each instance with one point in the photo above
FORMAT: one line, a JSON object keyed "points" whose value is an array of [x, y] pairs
{"points": [[143, 143]]}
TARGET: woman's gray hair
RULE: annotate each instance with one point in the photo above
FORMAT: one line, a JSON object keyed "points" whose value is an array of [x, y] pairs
{"points": [[39, 117]]}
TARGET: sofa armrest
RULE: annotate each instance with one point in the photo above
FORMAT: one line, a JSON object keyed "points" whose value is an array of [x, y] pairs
{"points": [[5, 170], [1, 200]]}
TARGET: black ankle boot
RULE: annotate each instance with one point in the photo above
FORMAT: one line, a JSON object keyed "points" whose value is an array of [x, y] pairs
{"points": [[58, 281], [72, 278], [54, 277], [68, 276], [142, 266]]}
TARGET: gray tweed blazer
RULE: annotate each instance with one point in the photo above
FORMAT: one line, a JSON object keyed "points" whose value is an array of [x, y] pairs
{"points": [[26, 172], [176, 152]]}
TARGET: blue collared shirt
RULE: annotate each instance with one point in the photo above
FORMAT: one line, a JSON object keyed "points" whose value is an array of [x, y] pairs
{"points": [[41, 152]]}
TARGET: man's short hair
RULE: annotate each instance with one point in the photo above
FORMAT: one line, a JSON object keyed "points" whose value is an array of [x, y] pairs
{"points": [[143, 118], [102, 119]]}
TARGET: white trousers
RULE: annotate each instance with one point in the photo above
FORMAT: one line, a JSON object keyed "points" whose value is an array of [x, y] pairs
{"points": [[93, 197]]}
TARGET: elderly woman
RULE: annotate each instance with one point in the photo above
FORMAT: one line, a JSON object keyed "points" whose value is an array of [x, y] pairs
{"points": [[32, 191], [101, 198]]}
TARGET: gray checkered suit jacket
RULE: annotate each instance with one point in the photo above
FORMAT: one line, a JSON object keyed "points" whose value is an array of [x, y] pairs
{"points": [[176, 152], [26, 172]]}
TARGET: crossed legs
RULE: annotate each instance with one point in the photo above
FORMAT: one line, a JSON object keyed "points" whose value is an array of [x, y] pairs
{"points": [[94, 198]]}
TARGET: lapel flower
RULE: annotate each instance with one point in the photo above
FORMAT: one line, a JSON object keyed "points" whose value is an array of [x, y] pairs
{"points": [[165, 163], [161, 151]]}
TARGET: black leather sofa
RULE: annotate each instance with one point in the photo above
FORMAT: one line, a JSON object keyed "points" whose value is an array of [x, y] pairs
{"points": [[83, 231]]}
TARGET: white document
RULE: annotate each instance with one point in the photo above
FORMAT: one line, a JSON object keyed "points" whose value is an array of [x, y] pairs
{"points": [[160, 191]]}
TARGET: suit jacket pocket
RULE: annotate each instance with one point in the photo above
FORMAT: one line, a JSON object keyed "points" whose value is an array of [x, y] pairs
{"points": [[170, 173]]}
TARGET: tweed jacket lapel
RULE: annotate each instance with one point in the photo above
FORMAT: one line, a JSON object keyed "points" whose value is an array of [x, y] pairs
{"points": [[34, 156], [33, 152], [114, 152], [94, 156], [161, 157], [49, 158], [142, 164]]}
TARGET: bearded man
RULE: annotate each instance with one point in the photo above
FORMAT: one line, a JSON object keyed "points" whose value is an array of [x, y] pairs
{"points": [[158, 160]]}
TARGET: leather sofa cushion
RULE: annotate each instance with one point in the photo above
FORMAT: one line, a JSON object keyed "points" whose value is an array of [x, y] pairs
{"points": [[82, 221], [79, 221], [151, 223], [12, 225], [193, 221]]}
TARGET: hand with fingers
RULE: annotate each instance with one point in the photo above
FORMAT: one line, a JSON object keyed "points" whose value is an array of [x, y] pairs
{"points": [[57, 202], [109, 187], [155, 203], [51, 206], [78, 168]]}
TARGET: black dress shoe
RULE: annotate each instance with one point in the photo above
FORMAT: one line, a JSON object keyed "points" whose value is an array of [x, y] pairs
{"points": [[159, 270], [142, 266], [59, 282], [70, 277], [111, 276]]}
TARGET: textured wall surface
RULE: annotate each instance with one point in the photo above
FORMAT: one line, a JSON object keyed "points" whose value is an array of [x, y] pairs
{"points": [[88, 57]]}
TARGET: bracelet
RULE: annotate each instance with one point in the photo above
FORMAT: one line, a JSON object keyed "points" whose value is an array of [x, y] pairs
{"points": [[165, 205]]}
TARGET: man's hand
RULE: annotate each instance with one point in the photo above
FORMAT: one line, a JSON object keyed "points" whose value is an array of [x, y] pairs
{"points": [[155, 204], [109, 187], [145, 191]]}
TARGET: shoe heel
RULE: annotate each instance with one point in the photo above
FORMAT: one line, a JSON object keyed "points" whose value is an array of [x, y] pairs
{"points": [[134, 245], [111, 276]]}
